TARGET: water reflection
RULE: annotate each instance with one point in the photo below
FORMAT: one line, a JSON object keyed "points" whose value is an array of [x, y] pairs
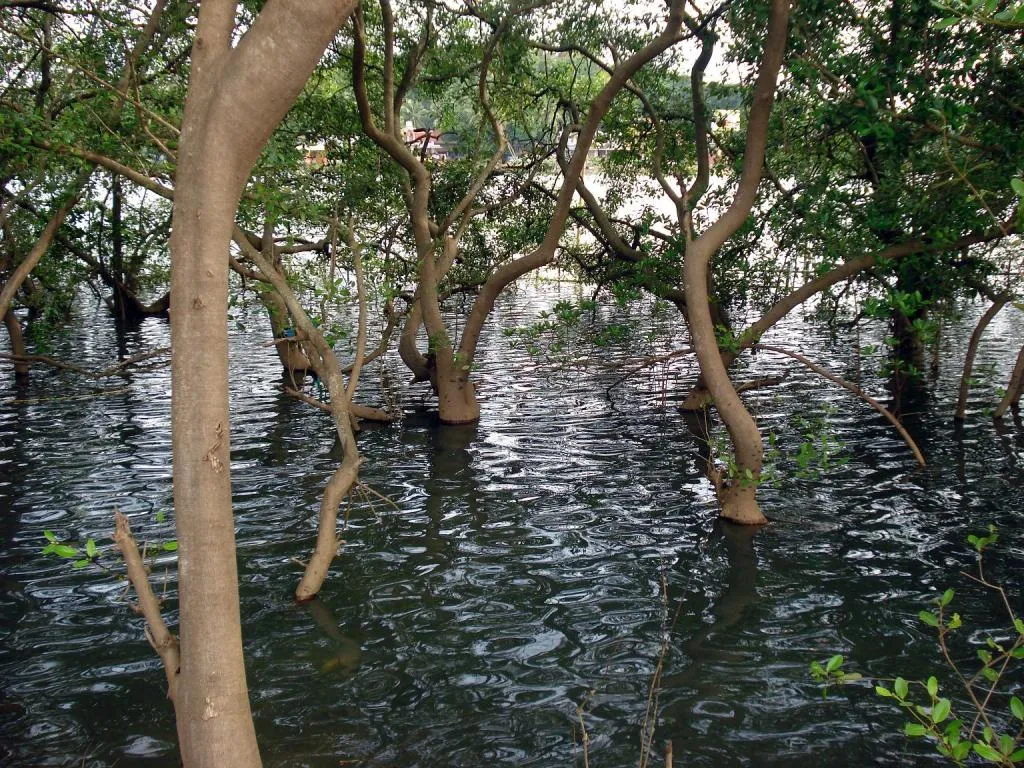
{"points": [[518, 568]]}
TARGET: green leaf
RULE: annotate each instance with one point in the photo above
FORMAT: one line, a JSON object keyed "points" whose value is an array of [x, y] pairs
{"points": [[1018, 186], [90, 549], [933, 686], [900, 687], [940, 711], [987, 752], [1017, 757], [161, 516], [50, 537], [929, 618], [834, 663], [947, 22], [1006, 744], [850, 677], [82, 563], [1017, 707], [961, 750], [63, 550], [990, 674], [914, 729], [1018, 624], [170, 546], [947, 596], [881, 690]]}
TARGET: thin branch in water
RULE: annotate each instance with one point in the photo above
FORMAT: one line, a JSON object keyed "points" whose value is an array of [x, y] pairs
{"points": [[855, 390], [163, 642]]}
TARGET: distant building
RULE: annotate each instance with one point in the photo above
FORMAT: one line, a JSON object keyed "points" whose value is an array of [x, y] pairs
{"points": [[315, 154], [414, 138]]}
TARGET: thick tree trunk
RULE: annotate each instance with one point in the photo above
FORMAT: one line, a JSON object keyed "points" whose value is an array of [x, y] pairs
{"points": [[214, 721], [237, 96], [456, 394]]}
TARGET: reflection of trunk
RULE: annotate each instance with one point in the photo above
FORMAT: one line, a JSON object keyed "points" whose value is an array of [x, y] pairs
{"points": [[1013, 390], [972, 351], [21, 368]]}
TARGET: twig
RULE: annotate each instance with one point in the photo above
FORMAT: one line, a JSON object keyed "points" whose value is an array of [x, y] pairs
{"points": [[307, 399], [163, 642], [584, 736], [369, 489], [852, 388]]}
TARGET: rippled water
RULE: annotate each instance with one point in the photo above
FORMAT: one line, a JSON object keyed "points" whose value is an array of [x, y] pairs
{"points": [[528, 566]]}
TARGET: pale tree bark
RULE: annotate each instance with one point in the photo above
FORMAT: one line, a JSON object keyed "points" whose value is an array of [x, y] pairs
{"points": [[236, 97], [737, 495], [323, 360]]}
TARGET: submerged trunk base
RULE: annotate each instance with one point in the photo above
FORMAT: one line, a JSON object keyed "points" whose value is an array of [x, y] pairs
{"points": [[738, 504], [456, 401]]}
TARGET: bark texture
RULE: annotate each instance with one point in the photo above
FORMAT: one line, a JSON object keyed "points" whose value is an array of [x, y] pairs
{"points": [[237, 96], [737, 495]]}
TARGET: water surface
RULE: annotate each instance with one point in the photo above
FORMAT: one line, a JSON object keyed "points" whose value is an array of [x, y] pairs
{"points": [[550, 557]]}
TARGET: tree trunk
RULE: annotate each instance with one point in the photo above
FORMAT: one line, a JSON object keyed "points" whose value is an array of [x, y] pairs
{"points": [[214, 721], [1013, 390], [21, 368], [236, 97], [289, 350], [972, 351], [737, 494], [456, 394], [323, 360]]}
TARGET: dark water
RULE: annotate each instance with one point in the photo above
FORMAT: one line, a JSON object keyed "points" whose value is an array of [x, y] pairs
{"points": [[520, 573]]}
